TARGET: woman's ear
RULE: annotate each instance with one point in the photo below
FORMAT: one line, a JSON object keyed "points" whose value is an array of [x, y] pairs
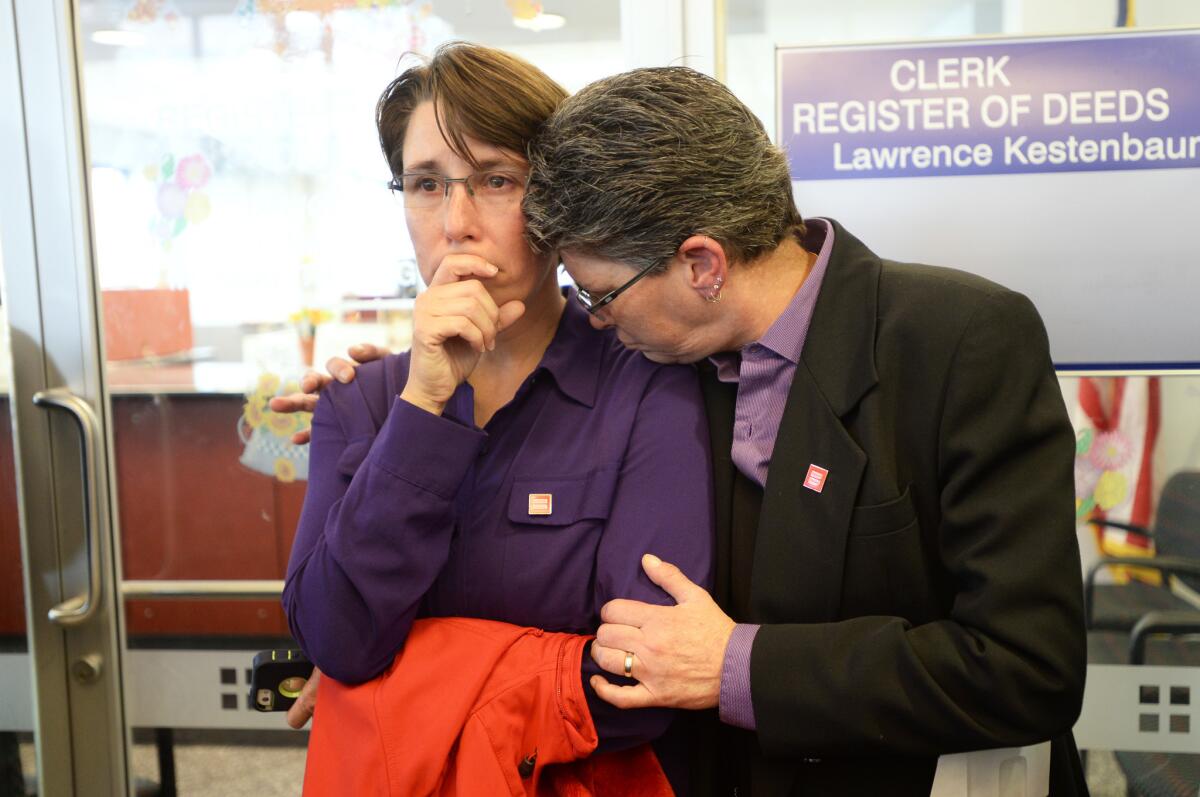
{"points": [[707, 267]]}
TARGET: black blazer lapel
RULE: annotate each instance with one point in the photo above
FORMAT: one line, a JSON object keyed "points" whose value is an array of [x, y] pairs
{"points": [[802, 534], [840, 347], [801, 543]]}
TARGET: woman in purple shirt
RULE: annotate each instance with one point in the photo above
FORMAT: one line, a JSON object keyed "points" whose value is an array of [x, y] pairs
{"points": [[516, 463]]}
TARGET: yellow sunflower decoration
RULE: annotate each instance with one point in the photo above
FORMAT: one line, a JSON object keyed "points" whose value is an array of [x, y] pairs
{"points": [[285, 470], [267, 435]]}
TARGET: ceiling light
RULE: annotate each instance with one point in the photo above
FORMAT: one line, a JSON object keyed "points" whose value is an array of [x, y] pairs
{"points": [[540, 22], [119, 38]]}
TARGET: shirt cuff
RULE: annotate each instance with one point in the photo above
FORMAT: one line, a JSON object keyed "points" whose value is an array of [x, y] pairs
{"points": [[735, 704], [430, 451]]}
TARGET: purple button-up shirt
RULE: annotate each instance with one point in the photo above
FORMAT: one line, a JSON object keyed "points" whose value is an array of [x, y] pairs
{"points": [[409, 514], [764, 371]]}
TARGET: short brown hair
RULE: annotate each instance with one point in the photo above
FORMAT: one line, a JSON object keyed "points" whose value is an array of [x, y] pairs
{"points": [[633, 165], [477, 91]]}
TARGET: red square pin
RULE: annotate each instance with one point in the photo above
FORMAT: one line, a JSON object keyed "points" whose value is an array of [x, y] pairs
{"points": [[815, 480]]}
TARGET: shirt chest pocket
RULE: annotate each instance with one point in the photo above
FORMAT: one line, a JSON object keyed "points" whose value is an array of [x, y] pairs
{"points": [[539, 503], [555, 525]]}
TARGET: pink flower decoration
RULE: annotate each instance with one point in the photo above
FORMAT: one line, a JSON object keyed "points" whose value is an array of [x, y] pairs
{"points": [[1110, 451], [171, 200], [1086, 476], [193, 172]]}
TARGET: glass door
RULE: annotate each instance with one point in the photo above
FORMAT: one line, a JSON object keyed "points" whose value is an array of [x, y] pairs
{"points": [[221, 222], [62, 716], [18, 766]]}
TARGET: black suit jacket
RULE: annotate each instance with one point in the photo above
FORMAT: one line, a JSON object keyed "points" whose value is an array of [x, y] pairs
{"points": [[928, 599]]}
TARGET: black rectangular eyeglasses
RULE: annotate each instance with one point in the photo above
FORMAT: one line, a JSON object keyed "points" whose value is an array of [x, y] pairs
{"points": [[593, 305]]}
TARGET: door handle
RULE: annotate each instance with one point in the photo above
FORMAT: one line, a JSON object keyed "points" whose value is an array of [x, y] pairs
{"points": [[81, 608]]}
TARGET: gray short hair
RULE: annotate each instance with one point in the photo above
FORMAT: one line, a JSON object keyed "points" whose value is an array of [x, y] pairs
{"points": [[634, 164]]}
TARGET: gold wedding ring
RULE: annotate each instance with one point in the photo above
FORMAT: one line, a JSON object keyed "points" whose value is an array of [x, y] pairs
{"points": [[629, 664]]}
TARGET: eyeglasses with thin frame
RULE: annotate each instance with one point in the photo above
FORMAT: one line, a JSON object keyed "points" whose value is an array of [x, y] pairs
{"points": [[593, 305], [429, 189]]}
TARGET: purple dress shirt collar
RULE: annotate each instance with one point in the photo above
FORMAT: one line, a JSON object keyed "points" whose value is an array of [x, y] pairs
{"points": [[572, 360], [786, 336], [572, 357], [787, 333]]}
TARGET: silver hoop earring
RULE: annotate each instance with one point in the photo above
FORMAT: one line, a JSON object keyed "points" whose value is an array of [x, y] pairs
{"points": [[714, 293]]}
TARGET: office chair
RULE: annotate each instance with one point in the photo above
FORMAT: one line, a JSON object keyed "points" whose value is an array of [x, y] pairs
{"points": [[1169, 639], [1140, 623], [1176, 535]]}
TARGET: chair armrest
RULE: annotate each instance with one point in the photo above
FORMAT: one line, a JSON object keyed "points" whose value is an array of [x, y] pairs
{"points": [[1182, 622], [1116, 523], [1167, 565]]}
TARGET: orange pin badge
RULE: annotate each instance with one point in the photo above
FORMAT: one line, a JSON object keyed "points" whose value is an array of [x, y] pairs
{"points": [[540, 503]]}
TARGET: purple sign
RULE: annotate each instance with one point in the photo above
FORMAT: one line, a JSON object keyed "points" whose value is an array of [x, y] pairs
{"points": [[992, 106]]}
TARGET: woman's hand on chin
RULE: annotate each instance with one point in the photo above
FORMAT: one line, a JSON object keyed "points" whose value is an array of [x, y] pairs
{"points": [[454, 322]]}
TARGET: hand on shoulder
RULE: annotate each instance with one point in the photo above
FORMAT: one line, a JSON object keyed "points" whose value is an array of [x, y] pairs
{"points": [[313, 382]]}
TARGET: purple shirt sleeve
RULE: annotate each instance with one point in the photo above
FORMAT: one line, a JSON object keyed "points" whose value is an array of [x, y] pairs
{"points": [[663, 505], [368, 547], [735, 705]]}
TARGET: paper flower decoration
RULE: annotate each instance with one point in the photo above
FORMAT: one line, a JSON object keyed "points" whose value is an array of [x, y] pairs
{"points": [[257, 409], [308, 319], [179, 197], [192, 172], [267, 434], [150, 11], [253, 412], [1111, 490], [285, 470], [281, 424], [1110, 451], [524, 9], [1084, 507], [171, 200], [267, 385], [278, 11], [1086, 477]]}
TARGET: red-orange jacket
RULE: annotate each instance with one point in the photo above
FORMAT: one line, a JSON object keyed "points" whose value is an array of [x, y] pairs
{"points": [[470, 707]]}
